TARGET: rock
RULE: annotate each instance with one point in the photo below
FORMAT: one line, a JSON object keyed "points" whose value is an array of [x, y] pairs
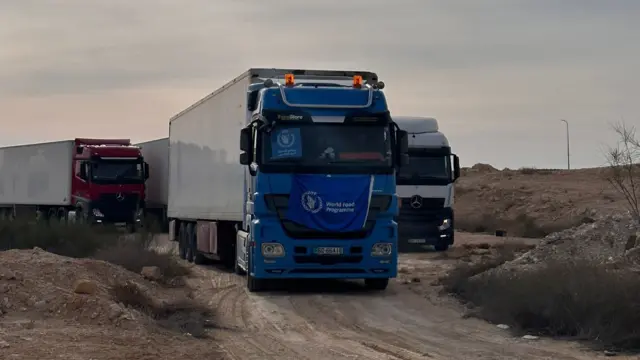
{"points": [[85, 287], [415, 280], [481, 251], [530, 337], [503, 326], [115, 311], [4, 344], [151, 272], [610, 353]]}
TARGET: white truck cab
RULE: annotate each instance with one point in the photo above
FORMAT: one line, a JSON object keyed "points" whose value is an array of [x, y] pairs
{"points": [[425, 187]]}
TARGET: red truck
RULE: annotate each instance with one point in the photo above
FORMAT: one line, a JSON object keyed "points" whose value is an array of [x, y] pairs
{"points": [[89, 180]]}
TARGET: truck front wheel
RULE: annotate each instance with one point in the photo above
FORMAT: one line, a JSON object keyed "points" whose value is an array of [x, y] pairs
{"points": [[253, 284], [376, 284]]}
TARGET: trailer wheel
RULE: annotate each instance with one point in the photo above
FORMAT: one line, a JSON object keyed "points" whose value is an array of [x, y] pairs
{"points": [[376, 284], [187, 242], [182, 249]]}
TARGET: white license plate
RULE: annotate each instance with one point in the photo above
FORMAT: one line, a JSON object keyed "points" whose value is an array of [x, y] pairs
{"points": [[417, 241], [328, 251]]}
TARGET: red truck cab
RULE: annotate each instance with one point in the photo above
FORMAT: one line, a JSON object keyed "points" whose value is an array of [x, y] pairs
{"points": [[108, 181]]}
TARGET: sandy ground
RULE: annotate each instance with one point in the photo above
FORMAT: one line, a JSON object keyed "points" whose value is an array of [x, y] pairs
{"points": [[340, 320], [313, 320]]}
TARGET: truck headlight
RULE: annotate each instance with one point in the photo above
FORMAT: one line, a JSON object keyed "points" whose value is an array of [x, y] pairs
{"points": [[97, 213], [446, 223], [272, 250], [381, 249]]}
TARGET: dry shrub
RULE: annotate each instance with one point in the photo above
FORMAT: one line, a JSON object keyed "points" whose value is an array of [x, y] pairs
{"points": [[184, 315], [522, 225], [536, 171], [131, 251], [73, 240], [455, 282], [134, 254], [578, 299]]}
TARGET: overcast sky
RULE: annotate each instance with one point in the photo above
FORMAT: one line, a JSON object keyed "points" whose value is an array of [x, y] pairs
{"points": [[497, 74]]}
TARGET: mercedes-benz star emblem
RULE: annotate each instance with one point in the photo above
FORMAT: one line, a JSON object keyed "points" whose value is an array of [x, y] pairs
{"points": [[416, 201], [119, 197]]}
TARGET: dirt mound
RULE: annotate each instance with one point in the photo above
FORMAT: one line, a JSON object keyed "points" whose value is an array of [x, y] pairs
{"points": [[36, 284], [609, 239], [483, 168], [532, 202]]}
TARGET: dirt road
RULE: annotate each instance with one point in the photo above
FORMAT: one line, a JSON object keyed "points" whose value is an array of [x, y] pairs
{"points": [[340, 320]]}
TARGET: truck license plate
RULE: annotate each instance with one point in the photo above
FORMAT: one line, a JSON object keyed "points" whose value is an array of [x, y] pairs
{"points": [[328, 251], [417, 241]]}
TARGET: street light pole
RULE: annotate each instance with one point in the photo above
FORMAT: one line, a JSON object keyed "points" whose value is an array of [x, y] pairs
{"points": [[568, 154]]}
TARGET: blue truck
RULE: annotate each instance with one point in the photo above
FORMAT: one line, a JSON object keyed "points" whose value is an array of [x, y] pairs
{"points": [[314, 193]]}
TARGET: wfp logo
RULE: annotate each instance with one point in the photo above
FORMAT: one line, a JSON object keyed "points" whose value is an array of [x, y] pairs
{"points": [[286, 139], [311, 202]]}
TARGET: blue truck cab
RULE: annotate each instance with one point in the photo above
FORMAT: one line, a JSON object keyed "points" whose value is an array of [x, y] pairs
{"points": [[321, 152]]}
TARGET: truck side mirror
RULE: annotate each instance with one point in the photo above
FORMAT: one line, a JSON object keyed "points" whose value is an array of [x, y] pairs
{"points": [[246, 146], [245, 158], [402, 147], [245, 140], [404, 160], [456, 167], [84, 171], [146, 171], [403, 141]]}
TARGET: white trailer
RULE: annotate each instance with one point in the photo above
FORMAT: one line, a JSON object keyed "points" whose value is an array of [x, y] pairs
{"points": [[206, 182], [156, 154], [36, 175]]}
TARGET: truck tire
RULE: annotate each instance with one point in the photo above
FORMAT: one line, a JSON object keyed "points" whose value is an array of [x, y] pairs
{"points": [[236, 267], [376, 284], [439, 247], [188, 244], [253, 284], [192, 241], [182, 248]]}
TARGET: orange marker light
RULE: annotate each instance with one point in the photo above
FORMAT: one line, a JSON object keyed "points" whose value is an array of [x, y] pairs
{"points": [[288, 80], [357, 81]]}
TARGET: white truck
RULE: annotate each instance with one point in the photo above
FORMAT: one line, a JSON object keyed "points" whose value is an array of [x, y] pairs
{"points": [[426, 187], [156, 154]]}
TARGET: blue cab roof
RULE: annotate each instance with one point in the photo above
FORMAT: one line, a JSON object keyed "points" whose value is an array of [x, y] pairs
{"points": [[272, 99]]}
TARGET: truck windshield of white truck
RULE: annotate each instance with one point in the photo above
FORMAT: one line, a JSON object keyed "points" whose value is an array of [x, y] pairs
{"points": [[423, 167], [328, 145], [120, 171]]}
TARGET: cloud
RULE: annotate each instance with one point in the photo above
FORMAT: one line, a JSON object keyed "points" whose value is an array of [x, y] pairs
{"points": [[490, 67]]}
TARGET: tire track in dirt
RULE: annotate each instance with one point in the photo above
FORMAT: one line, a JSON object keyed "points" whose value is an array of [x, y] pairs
{"points": [[341, 315]]}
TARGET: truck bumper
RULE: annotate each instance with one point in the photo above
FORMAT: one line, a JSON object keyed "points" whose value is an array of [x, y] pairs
{"points": [[300, 262], [427, 229]]}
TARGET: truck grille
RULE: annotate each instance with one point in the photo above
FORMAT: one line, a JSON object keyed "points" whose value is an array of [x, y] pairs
{"points": [[116, 209], [279, 203], [430, 210]]}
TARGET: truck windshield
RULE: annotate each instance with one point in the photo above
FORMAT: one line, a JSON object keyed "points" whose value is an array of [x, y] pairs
{"points": [[425, 168], [328, 145], [117, 171]]}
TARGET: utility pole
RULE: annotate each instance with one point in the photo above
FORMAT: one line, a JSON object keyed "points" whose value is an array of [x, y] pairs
{"points": [[568, 153]]}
